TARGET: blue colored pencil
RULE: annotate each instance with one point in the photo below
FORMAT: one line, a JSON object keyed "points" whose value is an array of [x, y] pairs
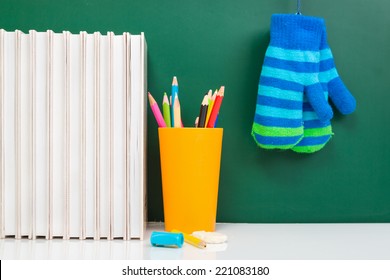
{"points": [[175, 92]]}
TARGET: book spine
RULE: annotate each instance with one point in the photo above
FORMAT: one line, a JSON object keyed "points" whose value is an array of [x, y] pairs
{"points": [[2, 200], [97, 133], [32, 33]]}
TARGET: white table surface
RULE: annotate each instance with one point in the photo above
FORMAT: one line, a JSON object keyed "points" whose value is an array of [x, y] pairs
{"points": [[245, 241]]}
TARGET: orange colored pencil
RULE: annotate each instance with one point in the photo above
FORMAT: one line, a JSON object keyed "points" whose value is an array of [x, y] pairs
{"points": [[177, 113]]}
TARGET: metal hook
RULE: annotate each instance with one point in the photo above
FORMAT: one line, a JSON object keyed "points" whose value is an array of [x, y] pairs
{"points": [[299, 7]]}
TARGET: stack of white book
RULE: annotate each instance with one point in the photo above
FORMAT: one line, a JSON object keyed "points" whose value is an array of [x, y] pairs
{"points": [[72, 135]]}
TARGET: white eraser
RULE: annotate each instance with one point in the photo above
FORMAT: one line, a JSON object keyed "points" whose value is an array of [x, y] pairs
{"points": [[210, 237]]}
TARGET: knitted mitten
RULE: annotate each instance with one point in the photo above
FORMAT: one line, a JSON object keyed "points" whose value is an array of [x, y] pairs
{"points": [[291, 66], [317, 133]]}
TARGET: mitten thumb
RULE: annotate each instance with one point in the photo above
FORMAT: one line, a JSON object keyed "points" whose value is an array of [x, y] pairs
{"points": [[341, 97], [316, 97]]}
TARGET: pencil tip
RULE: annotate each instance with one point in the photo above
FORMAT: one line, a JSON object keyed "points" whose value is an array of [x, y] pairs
{"points": [[151, 99], [174, 81], [165, 98], [221, 91], [205, 100]]}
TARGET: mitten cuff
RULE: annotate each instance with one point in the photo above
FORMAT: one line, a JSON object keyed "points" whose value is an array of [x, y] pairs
{"points": [[296, 32]]}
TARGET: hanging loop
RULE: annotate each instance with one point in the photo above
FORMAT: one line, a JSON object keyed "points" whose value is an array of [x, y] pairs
{"points": [[298, 7]]}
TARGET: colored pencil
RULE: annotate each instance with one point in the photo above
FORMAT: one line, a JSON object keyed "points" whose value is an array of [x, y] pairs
{"points": [[210, 108], [216, 121], [194, 241], [156, 111], [166, 110], [216, 107], [175, 92], [177, 113], [196, 121], [203, 111]]}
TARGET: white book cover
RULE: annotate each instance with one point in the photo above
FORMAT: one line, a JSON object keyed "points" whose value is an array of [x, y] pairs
{"points": [[137, 137], [17, 119], [143, 138], [133, 139], [58, 133], [49, 131], [41, 139], [128, 134], [75, 137], [104, 138], [110, 131], [2, 31], [9, 134], [67, 205], [96, 92], [83, 38], [32, 93], [26, 178], [90, 125], [143, 134], [119, 132]]}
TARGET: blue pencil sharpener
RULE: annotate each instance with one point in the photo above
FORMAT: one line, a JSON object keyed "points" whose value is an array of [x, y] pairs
{"points": [[167, 239]]}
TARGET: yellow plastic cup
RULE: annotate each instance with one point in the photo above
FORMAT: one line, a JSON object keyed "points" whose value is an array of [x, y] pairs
{"points": [[190, 164]]}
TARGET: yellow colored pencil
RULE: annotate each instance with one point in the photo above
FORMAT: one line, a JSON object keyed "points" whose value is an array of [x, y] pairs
{"points": [[194, 241]]}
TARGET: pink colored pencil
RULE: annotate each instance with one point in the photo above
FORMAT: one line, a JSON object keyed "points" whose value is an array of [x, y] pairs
{"points": [[156, 111]]}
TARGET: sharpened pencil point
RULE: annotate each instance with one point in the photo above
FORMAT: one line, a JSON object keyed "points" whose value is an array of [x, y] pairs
{"points": [[174, 81], [221, 91], [151, 99]]}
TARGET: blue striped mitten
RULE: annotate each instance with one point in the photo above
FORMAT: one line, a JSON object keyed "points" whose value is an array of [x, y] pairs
{"points": [[291, 66], [317, 133]]}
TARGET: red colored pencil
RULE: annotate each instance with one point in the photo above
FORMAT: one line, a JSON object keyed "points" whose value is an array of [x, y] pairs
{"points": [[216, 107]]}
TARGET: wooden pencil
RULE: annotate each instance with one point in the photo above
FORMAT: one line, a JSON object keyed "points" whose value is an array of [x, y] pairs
{"points": [[216, 107], [196, 121], [174, 93], [203, 111], [211, 104], [177, 113], [156, 111], [166, 110]]}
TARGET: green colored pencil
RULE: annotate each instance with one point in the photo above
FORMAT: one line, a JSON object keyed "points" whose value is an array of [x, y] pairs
{"points": [[166, 110]]}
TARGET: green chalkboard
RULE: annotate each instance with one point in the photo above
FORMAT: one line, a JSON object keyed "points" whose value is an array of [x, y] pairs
{"points": [[208, 43]]}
